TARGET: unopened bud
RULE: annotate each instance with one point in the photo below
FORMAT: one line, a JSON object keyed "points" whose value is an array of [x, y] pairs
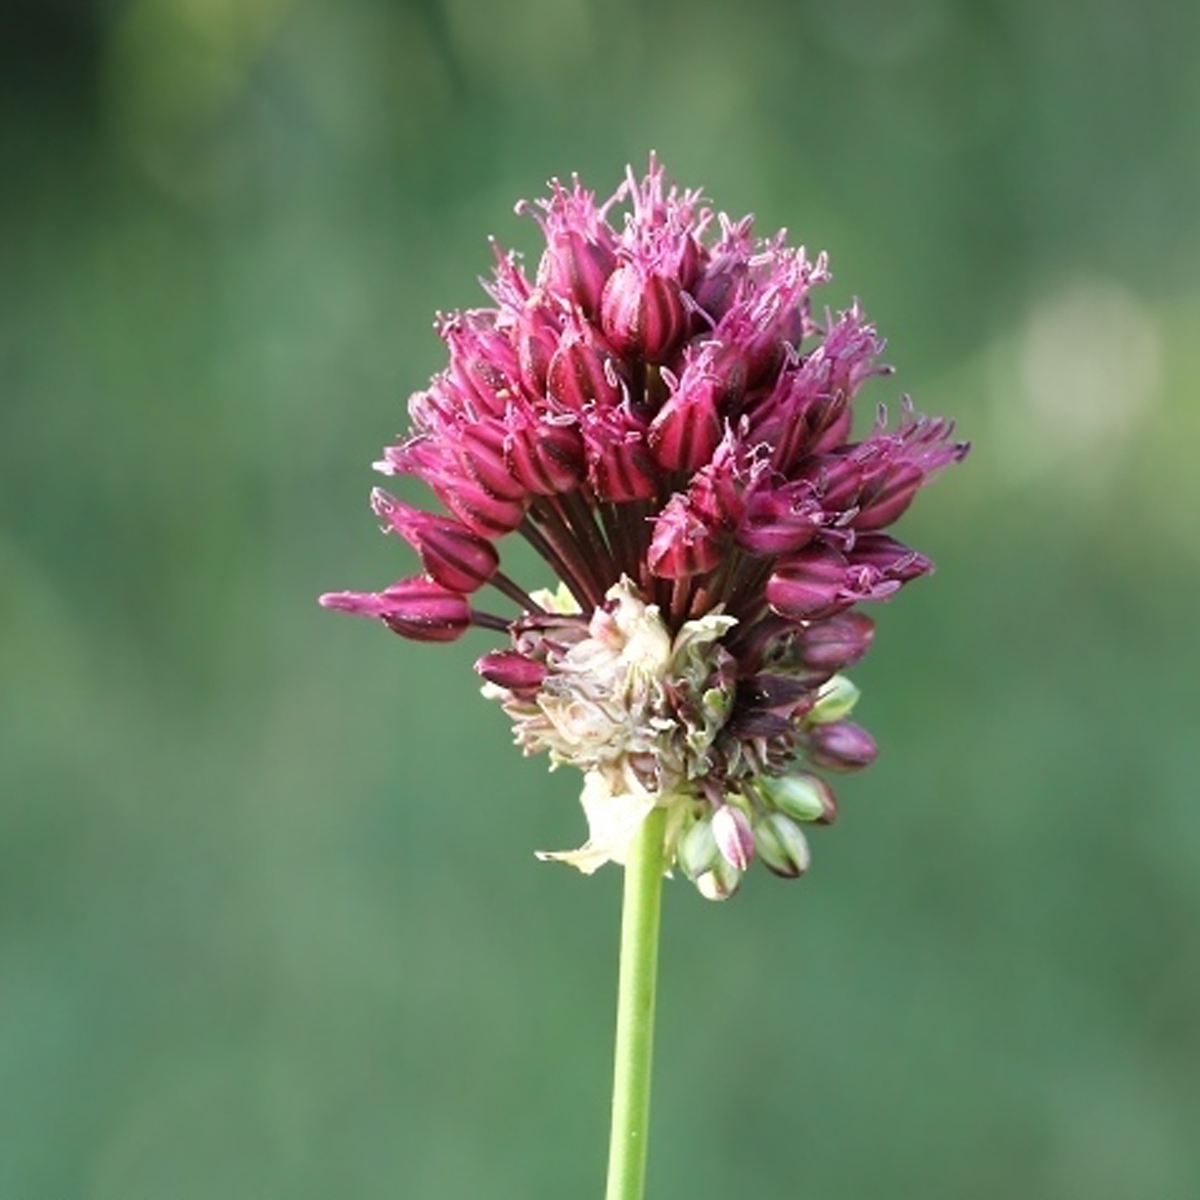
{"points": [[734, 836], [719, 883], [581, 373], [782, 845], [620, 465], [809, 584], [836, 641], [642, 312], [802, 797], [779, 522], [697, 852], [682, 543], [687, 429], [483, 449], [838, 481], [717, 289], [842, 746], [536, 337], [451, 554], [481, 512], [418, 608], [508, 669], [885, 496], [546, 457], [835, 700], [577, 267]]}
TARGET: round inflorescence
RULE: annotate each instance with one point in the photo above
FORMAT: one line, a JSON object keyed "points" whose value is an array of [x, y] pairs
{"points": [[661, 417]]}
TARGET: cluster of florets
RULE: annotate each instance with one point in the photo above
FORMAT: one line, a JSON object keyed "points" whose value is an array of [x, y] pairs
{"points": [[662, 418]]}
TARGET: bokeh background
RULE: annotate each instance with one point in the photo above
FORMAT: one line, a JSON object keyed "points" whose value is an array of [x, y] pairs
{"points": [[270, 924]]}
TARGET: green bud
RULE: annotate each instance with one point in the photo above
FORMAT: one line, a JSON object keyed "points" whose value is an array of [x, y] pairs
{"points": [[719, 883], [835, 700], [698, 851], [781, 844], [801, 797]]}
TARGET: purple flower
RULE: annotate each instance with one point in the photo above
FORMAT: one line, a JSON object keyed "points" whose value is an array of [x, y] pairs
{"points": [[661, 417]]}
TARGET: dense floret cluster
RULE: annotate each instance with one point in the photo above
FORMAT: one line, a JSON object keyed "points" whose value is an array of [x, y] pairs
{"points": [[661, 416]]}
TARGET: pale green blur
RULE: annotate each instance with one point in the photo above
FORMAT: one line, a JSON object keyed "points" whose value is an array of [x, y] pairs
{"points": [[270, 923]]}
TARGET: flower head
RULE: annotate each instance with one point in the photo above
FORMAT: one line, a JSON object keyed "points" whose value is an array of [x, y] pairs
{"points": [[659, 414]]}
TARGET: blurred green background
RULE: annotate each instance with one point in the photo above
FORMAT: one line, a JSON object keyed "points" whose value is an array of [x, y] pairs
{"points": [[270, 924]]}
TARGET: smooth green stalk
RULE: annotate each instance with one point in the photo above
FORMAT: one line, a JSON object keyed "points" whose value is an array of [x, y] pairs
{"points": [[635, 1011]]}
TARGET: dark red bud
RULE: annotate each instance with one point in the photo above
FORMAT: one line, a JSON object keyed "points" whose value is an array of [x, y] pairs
{"points": [[482, 446], [682, 544], [753, 644], [642, 313], [547, 458], [581, 374], [753, 330], [808, 585], [718, 288], [776, 693], [687, 429], [508, 669], [779, 522], [891, 558], [716, 493], [480, 511], [536, 337], [418, 608], [692, 256], [831, 424], [802, 421], [835, 642], [763, 359], [577, 269], [841, 746], [886, 495], [483, 362], [758, 723], [450, 553], [620, 465], [730, 369], [838, 481]]}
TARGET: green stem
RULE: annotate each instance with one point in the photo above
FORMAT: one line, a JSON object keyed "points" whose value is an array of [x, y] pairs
{"points": [[635, 1010]]}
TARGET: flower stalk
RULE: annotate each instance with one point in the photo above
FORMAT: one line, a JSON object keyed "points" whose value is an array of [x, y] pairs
{"points": [[641, 908], [665, 418]]}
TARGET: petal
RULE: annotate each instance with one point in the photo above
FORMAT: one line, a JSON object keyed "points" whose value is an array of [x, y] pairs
{"points": [[809, 584], [613, 819]]}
